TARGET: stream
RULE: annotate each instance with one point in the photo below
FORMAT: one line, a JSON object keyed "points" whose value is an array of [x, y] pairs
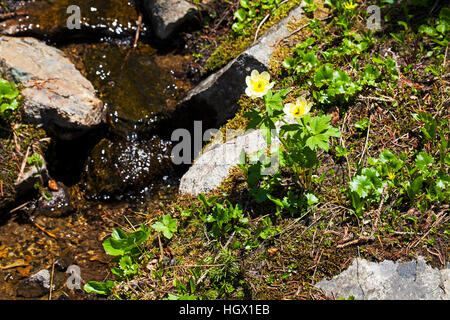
{"points": [[115, 176]]}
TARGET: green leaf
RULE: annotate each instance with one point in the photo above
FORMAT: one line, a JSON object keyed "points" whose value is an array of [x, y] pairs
{"points": [[168, 226], [323, 75], [244, 3], [103, 288], [362, 124], [415, 187], [423, 161], [362, 185], [240, 14], [318, 140], [311, 198]]}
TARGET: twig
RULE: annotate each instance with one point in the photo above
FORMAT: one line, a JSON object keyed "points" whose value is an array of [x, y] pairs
{"points": [[439, 217], [45, 231], [301, 28], [161, 249], [360, 239], [51, 280], [136, 39], [445, 56], [8, 15], [19, 207], [24, 162], [343, 145], [367, 141], [265, 19]]}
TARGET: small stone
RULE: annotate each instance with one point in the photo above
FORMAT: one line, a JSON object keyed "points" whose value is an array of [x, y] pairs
{"points": [[35, 286], [168, 16]]}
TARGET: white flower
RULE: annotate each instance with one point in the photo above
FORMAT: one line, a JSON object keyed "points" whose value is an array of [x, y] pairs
{"points": [[299, 109], [258, 84]]}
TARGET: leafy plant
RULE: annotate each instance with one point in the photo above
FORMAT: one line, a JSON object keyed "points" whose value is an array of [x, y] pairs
{"points": [[251, 11], [167, 225], [8, 98], [126, 248]]}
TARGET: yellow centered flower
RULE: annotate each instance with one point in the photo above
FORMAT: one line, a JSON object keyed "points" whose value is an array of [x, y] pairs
{"points": [[299, 109], [391, 175], [258, 84], [350, 5]]}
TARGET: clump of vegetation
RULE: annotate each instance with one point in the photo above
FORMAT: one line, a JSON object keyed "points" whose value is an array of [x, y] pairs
{"points": [[20, 144], [360, 120], [8, 99], [252, 18]]}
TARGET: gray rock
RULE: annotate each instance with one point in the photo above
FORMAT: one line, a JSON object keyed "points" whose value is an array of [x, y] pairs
{"points": [[168, 16], [55, 93], [215, 98], [35, 286], [214, 163], [388, 280]]}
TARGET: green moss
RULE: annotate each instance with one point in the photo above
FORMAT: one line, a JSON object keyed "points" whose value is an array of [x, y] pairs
{"points": [[16, 138], [231, 45]]}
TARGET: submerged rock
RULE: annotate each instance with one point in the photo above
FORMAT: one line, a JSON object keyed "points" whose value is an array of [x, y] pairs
{"points": [[35, 286], [389, 280], [168, 16], [58, 205], [55, 93], [215, 99], [117, 167]]}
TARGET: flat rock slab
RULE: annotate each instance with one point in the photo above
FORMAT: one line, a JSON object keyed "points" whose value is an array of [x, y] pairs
{"points": [[214, 163], [388, 280], [55, 93], [168, 16], [215, 99]]}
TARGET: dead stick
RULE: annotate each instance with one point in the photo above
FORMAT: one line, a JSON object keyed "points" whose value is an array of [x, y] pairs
{"points": [[51, 279], [161, 249], [43, 230], [8, 15], [24, 162]]}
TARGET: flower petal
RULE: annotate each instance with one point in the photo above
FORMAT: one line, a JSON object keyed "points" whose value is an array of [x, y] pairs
{"points": [[249, 91], [287, 108], [254, 73], [266, 75], [247, 80]]}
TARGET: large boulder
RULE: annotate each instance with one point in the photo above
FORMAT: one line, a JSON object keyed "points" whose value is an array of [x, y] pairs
{"points": [[215, 99], [168, 16], [389, 280], [55, 93]]}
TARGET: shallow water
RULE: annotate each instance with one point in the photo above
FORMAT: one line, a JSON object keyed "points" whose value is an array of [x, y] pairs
{"points": [[139, 87]]}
